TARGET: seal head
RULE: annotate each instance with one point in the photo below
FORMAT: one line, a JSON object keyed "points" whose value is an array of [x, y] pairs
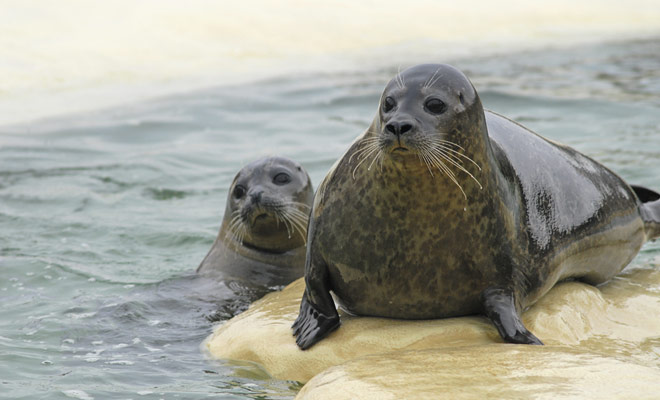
{"points": [[427, 118], [265, 222]]}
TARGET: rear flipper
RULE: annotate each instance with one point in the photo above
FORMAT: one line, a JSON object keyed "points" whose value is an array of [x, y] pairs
{"points": [[649, 210], [500, 308]]}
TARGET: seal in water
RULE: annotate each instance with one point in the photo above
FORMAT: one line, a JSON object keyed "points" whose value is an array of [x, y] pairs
{"points": [[441, 209], [264, 229]]}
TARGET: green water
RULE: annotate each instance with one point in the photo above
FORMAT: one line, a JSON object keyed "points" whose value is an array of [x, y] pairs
{"points": [[104, 216]]}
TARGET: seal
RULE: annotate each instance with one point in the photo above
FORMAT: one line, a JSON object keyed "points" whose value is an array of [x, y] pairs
{"points": [[441, 209], [264, 230]]}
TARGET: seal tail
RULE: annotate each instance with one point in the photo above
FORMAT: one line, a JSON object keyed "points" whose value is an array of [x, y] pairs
{"points": [[650, 210]]}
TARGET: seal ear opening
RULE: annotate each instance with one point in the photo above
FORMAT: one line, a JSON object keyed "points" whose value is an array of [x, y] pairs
{"points": [[645, 195]]}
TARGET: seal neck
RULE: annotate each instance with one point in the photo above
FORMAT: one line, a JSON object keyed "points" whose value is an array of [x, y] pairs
{"points": [[271, 244]]}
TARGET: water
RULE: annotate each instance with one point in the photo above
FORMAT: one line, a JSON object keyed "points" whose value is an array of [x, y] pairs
{"points": [[79, 55], [106, 214]]}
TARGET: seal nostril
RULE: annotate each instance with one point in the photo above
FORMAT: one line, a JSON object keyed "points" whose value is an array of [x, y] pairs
{"points": [[256, 197], [398, 128]]}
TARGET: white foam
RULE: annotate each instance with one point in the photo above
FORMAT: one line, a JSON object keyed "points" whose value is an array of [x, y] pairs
{"points": [[77, 394], [120, 362], [60, 57]]}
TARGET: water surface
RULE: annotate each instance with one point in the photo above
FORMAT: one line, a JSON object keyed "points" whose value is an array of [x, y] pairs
{"points": [[105, 215]]}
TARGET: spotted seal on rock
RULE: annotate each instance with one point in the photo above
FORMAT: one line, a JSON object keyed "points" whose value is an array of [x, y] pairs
{"points": [[264, 229], [441, 209]]}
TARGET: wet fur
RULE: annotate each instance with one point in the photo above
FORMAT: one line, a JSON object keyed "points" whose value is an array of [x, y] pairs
{"points": [[514, 215]]}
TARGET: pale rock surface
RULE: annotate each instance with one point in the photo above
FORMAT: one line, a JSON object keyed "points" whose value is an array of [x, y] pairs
{"points": [[600, 343]]}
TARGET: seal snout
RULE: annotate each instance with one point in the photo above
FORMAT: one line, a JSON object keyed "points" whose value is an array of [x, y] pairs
{"points": [[255, 197], [399, 128], [259, 208], [399, 134]]}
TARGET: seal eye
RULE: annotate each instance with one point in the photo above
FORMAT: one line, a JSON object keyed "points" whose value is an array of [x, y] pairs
{"points": [[388, 104], [281, 179], [435, 106], [239, 191]]}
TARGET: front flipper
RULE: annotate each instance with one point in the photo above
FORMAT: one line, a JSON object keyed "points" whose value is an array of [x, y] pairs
{"points": [[500, 308], [318, 315], [312, 325]]}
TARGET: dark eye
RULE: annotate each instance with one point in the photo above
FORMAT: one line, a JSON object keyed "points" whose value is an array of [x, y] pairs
{"points": [[281, 179], [239, 191], [388, 104], [435, 106]]}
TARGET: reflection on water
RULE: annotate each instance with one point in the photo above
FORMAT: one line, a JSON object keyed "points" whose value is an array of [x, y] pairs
{"points": [[105, 214]]}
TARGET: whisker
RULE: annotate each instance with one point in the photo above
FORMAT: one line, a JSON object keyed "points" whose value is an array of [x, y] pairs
{"points": [[428, 81], [242, 233], [300, 224], [443, 149], [457, 165], [365, 146], [453, 178], [293, 218], [367, 152], [423, 157], [435, 80], [399, 79], [443, 167], [287, 224], [376, 157], [297, 212], [297, 219], [444, 141], [238, 231], [365, 149], [458, 157], [235, 224], [443, 144], [366, 157], [301, 219]]}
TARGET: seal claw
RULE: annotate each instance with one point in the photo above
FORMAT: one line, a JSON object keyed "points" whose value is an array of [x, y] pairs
{"points": [[312, 325], [500, 308], [524, 337]]}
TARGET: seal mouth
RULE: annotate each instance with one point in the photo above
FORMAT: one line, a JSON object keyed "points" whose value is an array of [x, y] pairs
{"points": [[398, 146], [252, 217], [261, 216], [399, 149]]}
